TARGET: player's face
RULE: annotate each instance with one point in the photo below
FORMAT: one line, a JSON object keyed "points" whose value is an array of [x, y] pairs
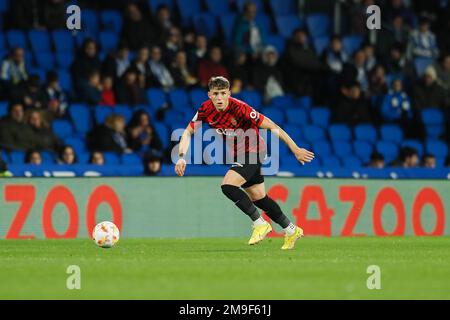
{"points": [[219, 98]]}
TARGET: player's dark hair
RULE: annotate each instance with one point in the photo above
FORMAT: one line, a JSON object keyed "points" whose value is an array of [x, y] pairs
{"points": [[218, 83]]}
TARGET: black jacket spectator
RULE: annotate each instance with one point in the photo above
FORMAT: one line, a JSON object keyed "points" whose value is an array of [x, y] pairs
{"points": [[31, 94], [44, 138], [90, 90], [352, 108], [116, 64], [137, 31], [129, 90], [428, 93], [85, 63], [15, 134], [110, 136], [141, 133]]}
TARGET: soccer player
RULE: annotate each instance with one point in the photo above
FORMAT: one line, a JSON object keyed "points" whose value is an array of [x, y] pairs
{"points": [[231, 117]]}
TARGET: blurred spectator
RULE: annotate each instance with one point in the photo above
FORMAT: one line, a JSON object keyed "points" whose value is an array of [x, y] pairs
{"points": [[13, 68], [423, 43], [31, 94], [398, 8], [85, 63], [137, 31], [152, 164], [23, 14], [53, 14], [443, 38], [67, 156], [163, 22], [429, 161], [56, 98], [33, 157], [442, 69], [199, 52], [376, 160], [397, 63], [396, 104], [247, 33], [43, 137], [141, 64], [241, 70], [334, 56], [129, 90], [181, 73], [108, 95], [390, 35], [116, 64], [15, 134], [371, 59], [359, 64], [173, 44], [408, 158], [351, 107], [428, 93], [377, 81], [160, 74], [97, 158], [91, 90], [141, 134], [268, 77], [110, 136], [303, 67], [211, 67]]}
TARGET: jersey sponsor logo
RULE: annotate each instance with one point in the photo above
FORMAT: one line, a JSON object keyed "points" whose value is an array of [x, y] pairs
{"points": [[237, 164], [226, 132]]}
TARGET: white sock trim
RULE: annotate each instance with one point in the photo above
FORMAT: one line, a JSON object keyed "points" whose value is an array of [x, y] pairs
{"points": [[259, 222], [290, 229]]}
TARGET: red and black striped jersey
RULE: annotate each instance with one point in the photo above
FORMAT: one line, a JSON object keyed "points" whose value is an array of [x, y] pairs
{"points": [[238, 123]]}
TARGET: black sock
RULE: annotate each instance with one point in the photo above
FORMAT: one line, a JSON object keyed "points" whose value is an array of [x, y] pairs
{"points": [[273, 211], [241, 200]]}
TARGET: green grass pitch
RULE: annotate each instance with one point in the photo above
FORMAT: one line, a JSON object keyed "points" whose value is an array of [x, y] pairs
{"points": [[318, 268]]}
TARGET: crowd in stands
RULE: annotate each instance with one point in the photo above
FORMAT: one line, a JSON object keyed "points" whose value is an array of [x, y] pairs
{"points": [[377, 81]]}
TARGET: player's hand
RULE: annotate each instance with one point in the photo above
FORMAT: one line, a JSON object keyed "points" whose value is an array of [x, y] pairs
{"points": [[303, 155], [180, 167]]}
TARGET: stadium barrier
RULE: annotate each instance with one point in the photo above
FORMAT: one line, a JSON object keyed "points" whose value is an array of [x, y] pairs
{"points": [[194, 207]]}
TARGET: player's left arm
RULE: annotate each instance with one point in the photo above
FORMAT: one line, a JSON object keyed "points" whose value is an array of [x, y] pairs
{"points": [[301, 154]]}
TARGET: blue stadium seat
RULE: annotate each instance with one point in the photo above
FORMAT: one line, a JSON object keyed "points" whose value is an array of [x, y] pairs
{"points": [[188, 9], [252, 97], [320, 44], [90, 21], [197, 97], [82, 35], [279, 42], [282, 102], [342, 148], [123, 110], [4, 156], [45, 60], [388, 149], [274, 114], [62, 128], [111, 158], [330, 162], [227, 25], [108, 40], [296, 116], [416, 145], [282, 8], [363, 150], [259, 5], [64, 60], [156, 98], [351, 43], [287, 24], [320, 116], [365, 132], [3, 45], [433, 119], [295, 132], [39, 40], [173, 116], [217, 8], [313, 133], [318, 25], [78, 144], [437, 148], [130, 159], [304, 102], [17, 157], [206, 24], [101, 113], [163, 133], [351, 162], [391, 132], [111, 20], [80, 114], [264, 22], [83, 157], [63, 41], [3, 108], [65, 80], [16, 38], [322, 148], [420, 64], [154, 4], [179, 99], [4, 5], [339, 132]]}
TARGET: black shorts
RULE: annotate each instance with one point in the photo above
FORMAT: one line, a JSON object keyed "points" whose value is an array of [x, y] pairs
{"points": [[250, 172]]}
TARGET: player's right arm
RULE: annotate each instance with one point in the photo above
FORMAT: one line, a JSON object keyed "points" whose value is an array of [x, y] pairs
{"points": [[185, 141]]}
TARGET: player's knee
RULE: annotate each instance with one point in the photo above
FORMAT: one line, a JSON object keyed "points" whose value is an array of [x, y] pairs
{"points": [[230, 191]]}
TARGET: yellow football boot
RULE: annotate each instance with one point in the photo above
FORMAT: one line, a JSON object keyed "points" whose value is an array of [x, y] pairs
{"points": [[289, 241], [259, 233]]}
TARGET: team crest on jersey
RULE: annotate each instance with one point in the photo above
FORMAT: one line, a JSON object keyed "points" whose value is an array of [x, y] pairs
{"points": [[233, 121]]}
